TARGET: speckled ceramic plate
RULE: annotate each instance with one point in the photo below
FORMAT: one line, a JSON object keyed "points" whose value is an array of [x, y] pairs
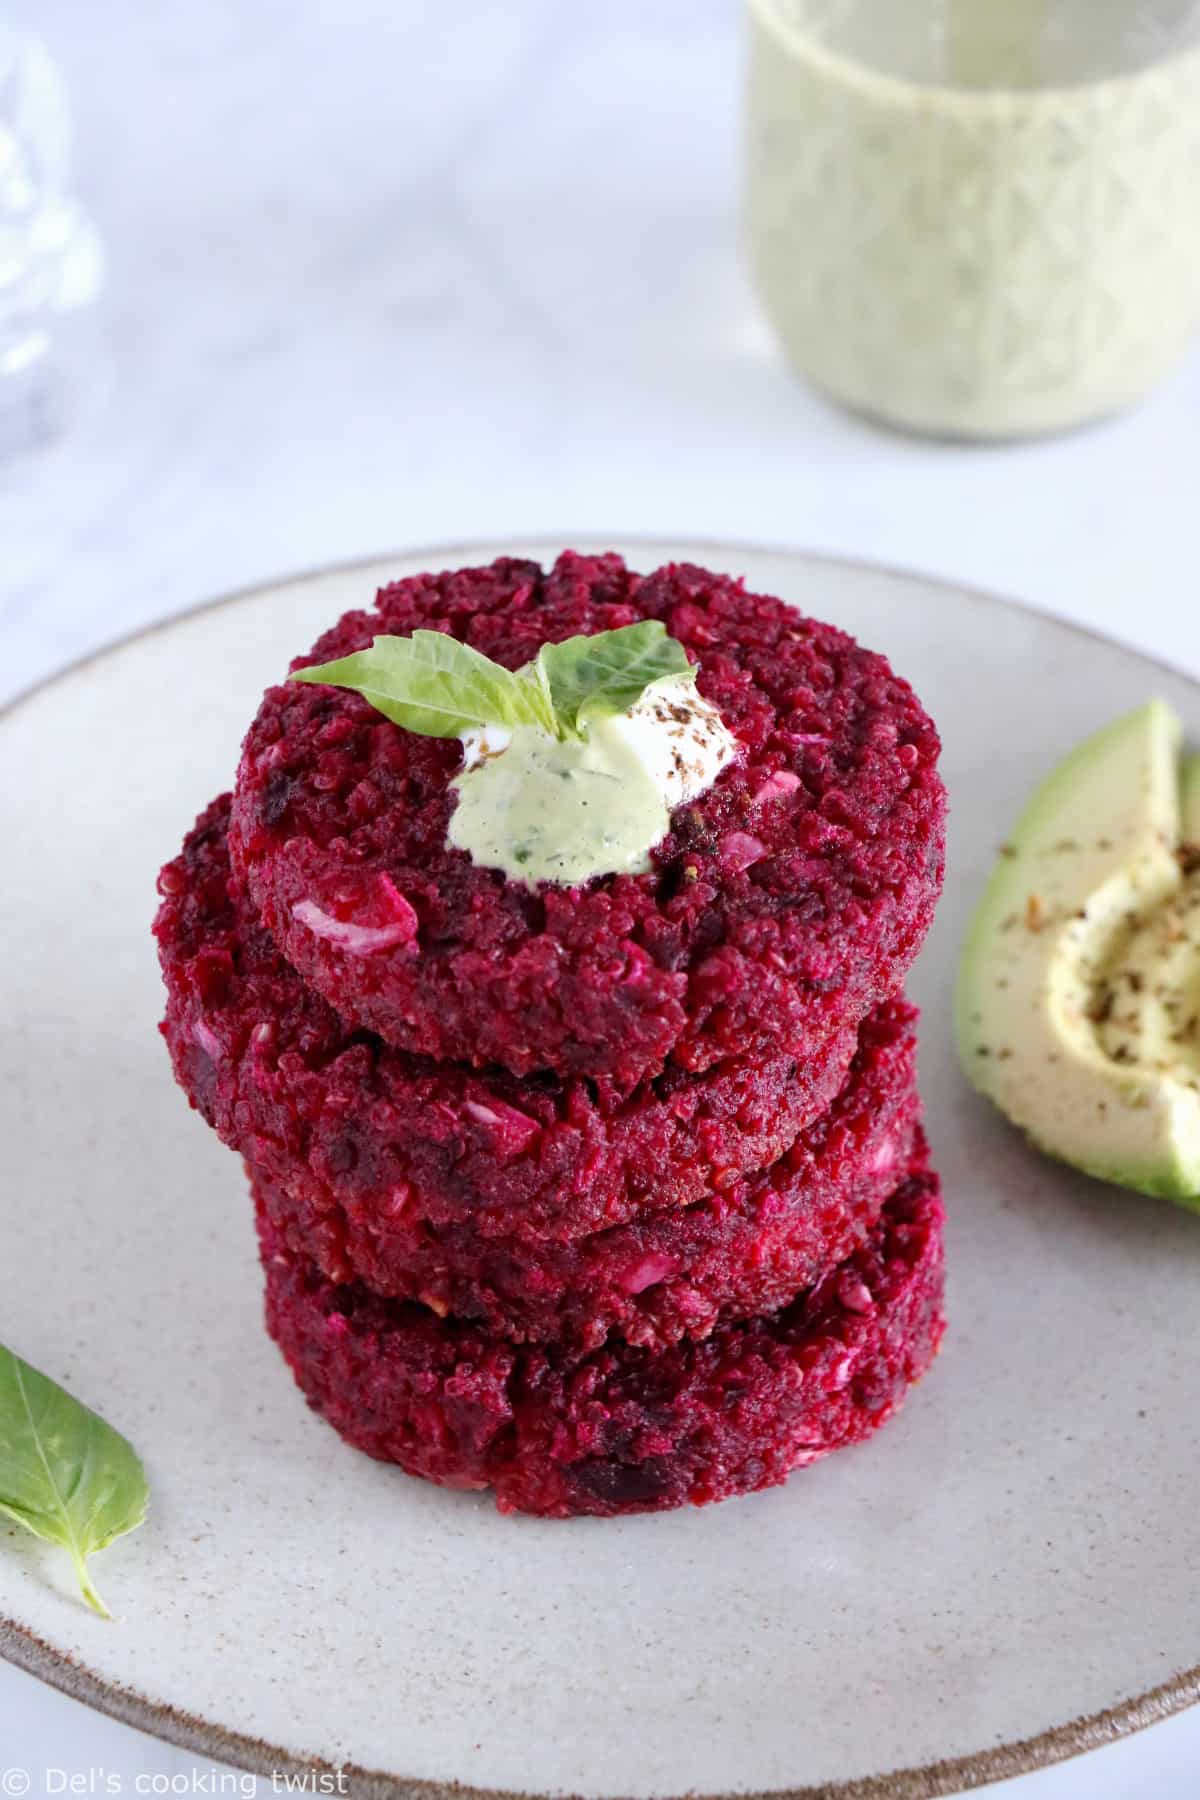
{"points": [[1010, 1572]]}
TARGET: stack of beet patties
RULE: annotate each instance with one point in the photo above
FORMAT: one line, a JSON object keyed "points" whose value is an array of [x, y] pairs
{"points": [[608, 1197]]}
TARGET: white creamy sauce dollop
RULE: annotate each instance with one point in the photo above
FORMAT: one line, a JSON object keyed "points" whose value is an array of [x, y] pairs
{"points": [[544, 809]]}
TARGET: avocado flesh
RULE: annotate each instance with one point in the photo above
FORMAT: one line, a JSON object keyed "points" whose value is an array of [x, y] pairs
{"points": [[1150, 1004], [1080, 899]]}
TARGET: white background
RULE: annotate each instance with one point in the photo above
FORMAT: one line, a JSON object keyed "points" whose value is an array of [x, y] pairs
{"points": [[393, 272]]}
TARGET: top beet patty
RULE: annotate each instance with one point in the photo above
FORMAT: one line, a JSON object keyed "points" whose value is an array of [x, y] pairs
{"points": [[783, 904]]}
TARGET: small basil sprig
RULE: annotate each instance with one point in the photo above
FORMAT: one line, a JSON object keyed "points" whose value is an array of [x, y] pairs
{"points": [[431, 684], [65, 1475], [588, 677]]}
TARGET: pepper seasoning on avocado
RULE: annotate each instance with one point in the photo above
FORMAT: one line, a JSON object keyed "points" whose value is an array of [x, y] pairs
{"points": [[1078, 1006]]}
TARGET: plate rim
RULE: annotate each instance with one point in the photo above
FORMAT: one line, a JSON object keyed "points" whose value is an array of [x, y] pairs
{"points": [[30, 1652]]}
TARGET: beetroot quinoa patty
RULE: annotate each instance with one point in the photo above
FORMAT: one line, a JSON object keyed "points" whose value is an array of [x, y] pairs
{"points": [[373, 1146], [784, 904], [667, 1274], [620, 1429]]}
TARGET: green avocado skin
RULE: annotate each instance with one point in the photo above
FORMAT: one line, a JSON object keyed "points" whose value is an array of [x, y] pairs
{"points": [[1009, 974], [1172, 1184], [1189, 801], [1170, 1181]]}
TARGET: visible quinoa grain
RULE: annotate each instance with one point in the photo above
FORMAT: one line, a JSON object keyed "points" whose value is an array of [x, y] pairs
{"points": [[516, 1201], [555, 1431], [739, 960]]}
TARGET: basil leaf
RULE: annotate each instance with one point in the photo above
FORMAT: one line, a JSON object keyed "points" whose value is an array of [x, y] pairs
{"points": [[431, 684], [609, 672], [65, 1475]]}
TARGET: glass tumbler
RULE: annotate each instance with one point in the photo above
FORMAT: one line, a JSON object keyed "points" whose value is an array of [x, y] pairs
{"points": [[50, 260], [976, 218]]}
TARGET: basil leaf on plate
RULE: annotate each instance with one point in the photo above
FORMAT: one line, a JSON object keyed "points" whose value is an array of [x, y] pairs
{"points": [[431, 684], [65, 1475], [609, 672]]}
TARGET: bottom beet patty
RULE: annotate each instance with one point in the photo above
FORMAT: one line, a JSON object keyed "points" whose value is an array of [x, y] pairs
{"points": [[620, 1429]]}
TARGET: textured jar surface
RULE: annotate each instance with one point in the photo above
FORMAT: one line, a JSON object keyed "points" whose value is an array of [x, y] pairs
{"points": [[969, 262]]}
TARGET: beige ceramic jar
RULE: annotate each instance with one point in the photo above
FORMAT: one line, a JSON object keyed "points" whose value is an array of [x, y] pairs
{"points": [[973, 219]]}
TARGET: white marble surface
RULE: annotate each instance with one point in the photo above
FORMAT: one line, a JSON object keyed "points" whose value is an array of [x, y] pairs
{"points": [[392, 273]]}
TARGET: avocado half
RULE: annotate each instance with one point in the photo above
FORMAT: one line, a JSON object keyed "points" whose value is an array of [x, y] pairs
{"points": [[1078, 1002]]}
